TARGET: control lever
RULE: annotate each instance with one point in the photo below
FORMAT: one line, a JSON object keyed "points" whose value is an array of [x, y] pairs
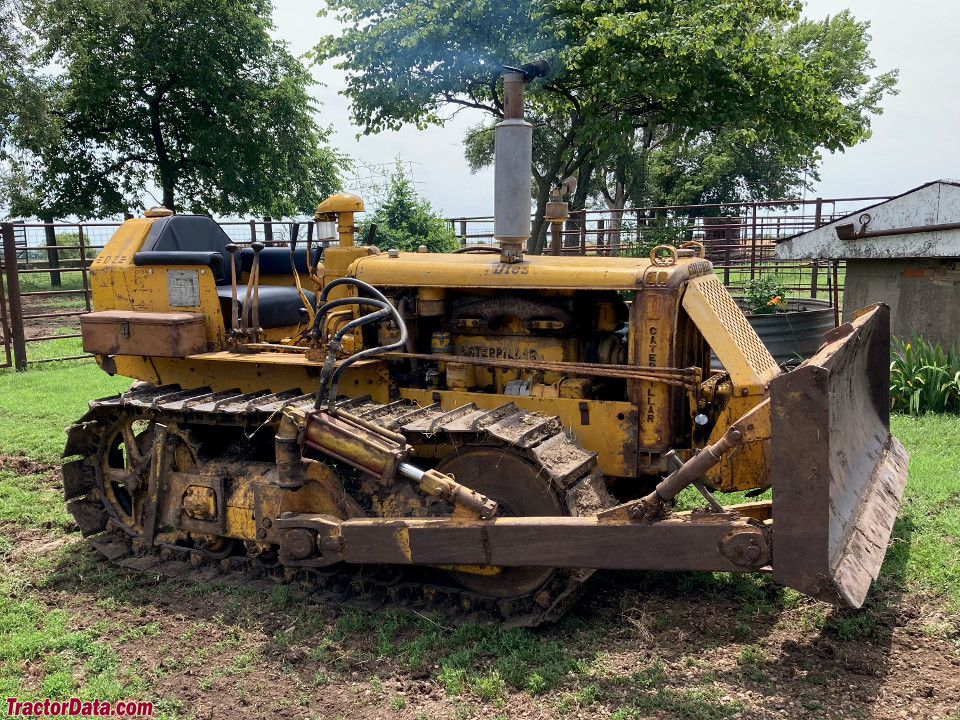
{"points": [[294, 232], [234, 306], [256, 331], [248, 330]]}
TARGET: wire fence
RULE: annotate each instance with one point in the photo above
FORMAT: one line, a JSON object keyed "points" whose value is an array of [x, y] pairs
{"points": [[739, 239], [45, 283]]}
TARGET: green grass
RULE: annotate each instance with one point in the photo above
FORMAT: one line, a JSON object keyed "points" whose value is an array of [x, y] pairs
{"points": [[50, 651], [36, 406], [481, 660], [651, 690], [925, 550], [36, 282], [30, 501], [58, 348], [75, 662], [752, 660]]}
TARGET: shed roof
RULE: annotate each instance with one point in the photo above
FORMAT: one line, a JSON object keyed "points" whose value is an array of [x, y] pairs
{"points": [[932, 204]]}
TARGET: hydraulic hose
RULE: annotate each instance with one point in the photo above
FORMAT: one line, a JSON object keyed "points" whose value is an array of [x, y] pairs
{"points": [[372, 291], [384, 309], [334, 345]]}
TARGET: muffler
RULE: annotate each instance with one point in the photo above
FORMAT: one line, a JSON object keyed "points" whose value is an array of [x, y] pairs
{"points": [[513, 155]]}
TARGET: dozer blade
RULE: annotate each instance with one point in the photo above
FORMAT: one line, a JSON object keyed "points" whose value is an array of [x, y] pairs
{"points": [[837, 473]]}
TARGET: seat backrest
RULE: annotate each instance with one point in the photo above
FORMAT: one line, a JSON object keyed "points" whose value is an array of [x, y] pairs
{"points": [[191, 233]]}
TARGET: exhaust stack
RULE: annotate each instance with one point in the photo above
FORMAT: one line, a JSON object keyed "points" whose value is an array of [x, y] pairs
{"points": [[513, 154]]}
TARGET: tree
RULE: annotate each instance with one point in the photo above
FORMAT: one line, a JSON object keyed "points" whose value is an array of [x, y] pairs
{"points": [[16, 73], [406, 221], [728, 166], [626, 74], [23, 93], [191, 95]]}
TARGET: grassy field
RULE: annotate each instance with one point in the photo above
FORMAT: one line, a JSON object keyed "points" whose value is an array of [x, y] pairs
{"points": [[640, 645]]}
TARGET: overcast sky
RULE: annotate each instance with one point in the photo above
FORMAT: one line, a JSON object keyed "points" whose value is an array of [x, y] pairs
{"points": [[914, 141]]}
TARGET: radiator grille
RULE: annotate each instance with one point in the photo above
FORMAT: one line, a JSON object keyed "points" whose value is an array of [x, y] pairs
{"points": [[736, 325]]}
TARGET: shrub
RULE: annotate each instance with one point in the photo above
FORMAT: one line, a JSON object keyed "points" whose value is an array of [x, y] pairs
{"points": [[924, 377], [72, 249], [765, 294], [405, 221]]}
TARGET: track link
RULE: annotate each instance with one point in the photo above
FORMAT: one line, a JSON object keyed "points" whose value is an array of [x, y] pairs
{"points": [[570, 470]]}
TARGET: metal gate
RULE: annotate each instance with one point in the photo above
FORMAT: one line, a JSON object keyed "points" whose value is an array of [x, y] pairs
{"points": [[6, 341], [10, 311]]}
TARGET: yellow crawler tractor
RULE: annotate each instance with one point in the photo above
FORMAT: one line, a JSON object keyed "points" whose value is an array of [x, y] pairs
{"points": [[485, 427]]}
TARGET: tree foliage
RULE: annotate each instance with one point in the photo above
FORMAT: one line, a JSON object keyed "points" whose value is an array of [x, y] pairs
{"points": [[193, 96], [405, 221], [710, 83], [24, 93], [14, 73], [729, 166]]}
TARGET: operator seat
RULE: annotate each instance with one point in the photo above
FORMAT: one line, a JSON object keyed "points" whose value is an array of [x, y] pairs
{"points": [[279, 305]]}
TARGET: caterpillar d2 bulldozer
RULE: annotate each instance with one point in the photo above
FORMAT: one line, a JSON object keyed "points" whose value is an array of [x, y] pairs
{"points": [[485, 428]]}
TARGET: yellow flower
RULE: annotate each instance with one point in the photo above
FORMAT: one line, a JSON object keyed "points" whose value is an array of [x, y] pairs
{"points": [[775, 300]]}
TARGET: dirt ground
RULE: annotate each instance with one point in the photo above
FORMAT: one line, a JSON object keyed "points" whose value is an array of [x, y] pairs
{"points": [[222, 655], [55, 324]]}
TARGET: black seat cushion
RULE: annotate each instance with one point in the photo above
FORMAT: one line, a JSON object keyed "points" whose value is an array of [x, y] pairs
{"points": [[191, 233], [279, 305]]}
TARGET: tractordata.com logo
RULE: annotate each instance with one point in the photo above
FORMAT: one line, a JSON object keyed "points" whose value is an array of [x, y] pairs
{"points": [[76, 707]]}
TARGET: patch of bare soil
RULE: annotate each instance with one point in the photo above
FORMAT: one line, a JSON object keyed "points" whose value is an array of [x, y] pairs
{"points": [[807, 661], [27, 466], [34, 543], [222, 653], [54, 322]]}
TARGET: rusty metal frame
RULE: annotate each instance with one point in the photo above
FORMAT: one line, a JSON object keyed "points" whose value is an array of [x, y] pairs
{"points": [[13, 285], [837, 473], [6, 340], [685, 541]]}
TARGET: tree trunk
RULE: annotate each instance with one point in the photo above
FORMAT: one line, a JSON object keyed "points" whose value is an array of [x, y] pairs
{"points": [[53, 256], [268, 231], [168, 202], [168, 178], [578, 204], [538, 233], [615, 205]]}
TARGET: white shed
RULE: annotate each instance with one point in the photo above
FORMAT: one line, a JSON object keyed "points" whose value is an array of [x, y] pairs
{"points": [[904, 251]]}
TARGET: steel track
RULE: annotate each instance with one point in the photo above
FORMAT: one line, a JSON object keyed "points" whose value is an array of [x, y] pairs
{"points": [[559, 458]]}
